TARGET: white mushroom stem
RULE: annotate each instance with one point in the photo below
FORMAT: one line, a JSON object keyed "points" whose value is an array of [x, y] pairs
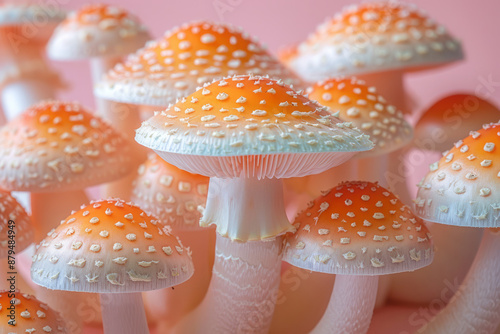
{"points": [[391, 86], [475, 308], [22, 94], [123, 313], [48, 209], [246, 275], [243, 290], [125, 118], [351, 306]]}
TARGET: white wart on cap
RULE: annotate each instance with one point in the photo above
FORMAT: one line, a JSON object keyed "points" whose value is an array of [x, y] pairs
{"points": [[359, 228], [111, 246]]}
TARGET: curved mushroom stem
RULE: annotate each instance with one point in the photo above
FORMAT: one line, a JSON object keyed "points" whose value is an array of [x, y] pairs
{"points": [[171, 305], [475, 308], [243, 290], [20, 95], [48, 209], [123, 313], [351, 306]]}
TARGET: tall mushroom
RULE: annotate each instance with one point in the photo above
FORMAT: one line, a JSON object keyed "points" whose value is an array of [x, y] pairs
{"points": [[177, 198], [445, 122], [357, 230], [25, 76], [23, 313], [378, 42], [56, 149], [247, 133], [115, 249], [461, 189]]}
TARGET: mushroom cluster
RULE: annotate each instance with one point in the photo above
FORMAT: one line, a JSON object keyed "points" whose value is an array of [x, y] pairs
{"points": [[171, 207]]}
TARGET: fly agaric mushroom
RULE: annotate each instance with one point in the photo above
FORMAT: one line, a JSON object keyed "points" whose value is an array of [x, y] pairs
{"points": [[115, 249], [25, 76], [353, 101], [447, 121], [177, 198], [461, 189], [22, 313], [247, 133], [377, 42], [186, 58], [54, 150], [104, 34], [358, 230]]}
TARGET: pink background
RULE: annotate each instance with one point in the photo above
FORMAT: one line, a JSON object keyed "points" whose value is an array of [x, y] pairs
{"points": [[279, 23], [282, 22]]}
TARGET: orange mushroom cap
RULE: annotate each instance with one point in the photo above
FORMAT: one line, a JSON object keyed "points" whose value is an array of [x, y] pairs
{"points": [[16, 232], [360, 104], [111, 246], [29, 315], [462, 188], [375, 37], [97, 31], [359, 228], [185, 58], [175, 196], [247, 116], [59, 146], [451, 119]]}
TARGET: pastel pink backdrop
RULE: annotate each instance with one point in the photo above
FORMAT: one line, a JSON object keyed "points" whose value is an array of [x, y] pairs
{"points": [[278, 23]]}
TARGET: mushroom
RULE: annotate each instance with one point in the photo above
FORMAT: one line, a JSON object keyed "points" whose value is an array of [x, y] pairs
{"points": [[117, 250], [178, 198], [16, 234], [378, 42], [359, 231], [54, 150], [447, 121], [25, 76], [185, 58], [353, 101], [247, 133], [461, 189], [23, 313]]}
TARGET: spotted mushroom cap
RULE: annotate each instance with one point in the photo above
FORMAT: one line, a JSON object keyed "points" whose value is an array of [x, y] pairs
{"points": [[375, 37], [249, 124], [361, 104], [111, 246], [15, 226], [29, 21], [462, 188], [60, 146], [451, 119], [30, 314], [185, 58], [97, 31], [359, 228], [175, 196]]}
